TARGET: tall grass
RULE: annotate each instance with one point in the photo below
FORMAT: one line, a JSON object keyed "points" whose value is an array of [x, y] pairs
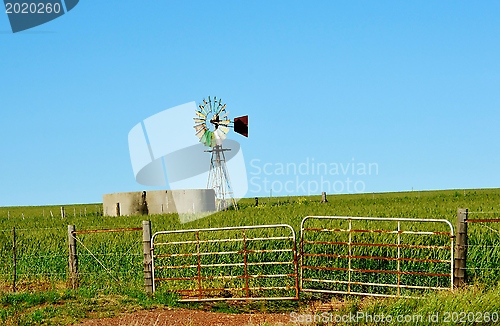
{"points": [[42, 238]]}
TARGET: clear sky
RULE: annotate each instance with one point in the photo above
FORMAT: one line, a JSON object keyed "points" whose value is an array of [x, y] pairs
{"points": [[410, 87]]}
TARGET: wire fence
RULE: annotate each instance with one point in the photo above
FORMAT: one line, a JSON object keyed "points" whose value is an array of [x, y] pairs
{"points": [[32, 256], [38, 258], [483, 246], [28, 212]]}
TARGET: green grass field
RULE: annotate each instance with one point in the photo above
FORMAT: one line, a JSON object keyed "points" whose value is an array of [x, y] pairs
{"points": [[41, 240]]}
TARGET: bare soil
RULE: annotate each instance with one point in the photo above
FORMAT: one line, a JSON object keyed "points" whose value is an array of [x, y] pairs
{"points": [[186, 317], [190, 317]]}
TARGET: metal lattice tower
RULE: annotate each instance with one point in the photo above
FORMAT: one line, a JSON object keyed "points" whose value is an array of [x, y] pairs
{"points": [[218, 179]]}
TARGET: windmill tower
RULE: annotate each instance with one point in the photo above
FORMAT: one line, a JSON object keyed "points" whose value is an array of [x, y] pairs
{"points": [[212, 125]]}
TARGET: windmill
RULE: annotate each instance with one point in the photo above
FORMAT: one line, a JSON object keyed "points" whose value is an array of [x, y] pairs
{"points": [[212, 124]]}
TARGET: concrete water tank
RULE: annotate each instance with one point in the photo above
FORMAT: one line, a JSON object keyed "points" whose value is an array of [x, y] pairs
{"points": [[187, 201]]}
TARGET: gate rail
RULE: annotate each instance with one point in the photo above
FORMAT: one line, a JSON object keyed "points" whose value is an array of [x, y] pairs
{"points": [[348, 276], [199, 263]]}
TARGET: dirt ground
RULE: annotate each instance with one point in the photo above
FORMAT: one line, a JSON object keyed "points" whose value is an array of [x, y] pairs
{"points": [[185, 317]]}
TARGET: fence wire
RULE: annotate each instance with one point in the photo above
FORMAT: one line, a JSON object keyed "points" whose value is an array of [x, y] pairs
{"points": [[483, 248], [41, 256]]}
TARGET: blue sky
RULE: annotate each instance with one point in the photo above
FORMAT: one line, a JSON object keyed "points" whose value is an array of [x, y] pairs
{"points": [[409, 86]]}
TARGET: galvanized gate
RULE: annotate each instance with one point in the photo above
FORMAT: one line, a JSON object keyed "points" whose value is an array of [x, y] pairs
{"points": [[390, 257], [228, 263]]}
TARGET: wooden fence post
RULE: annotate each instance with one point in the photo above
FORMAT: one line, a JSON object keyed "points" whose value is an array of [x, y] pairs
{"points": [[73, 260], [62, 212], [146, 246], [14, 260], [460, 272], [323, 197]]}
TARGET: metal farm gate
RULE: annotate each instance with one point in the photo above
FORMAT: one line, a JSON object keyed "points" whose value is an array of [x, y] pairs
{"points": [[388, 257], [227, 263]]}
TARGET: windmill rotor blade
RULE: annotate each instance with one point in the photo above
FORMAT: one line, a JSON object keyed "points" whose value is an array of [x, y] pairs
{"points": [[209, 138], [202, 109], [220, 134], [206, 138], [199, 127], [200, 133], [225, 114], [221, 108], [197, 120], [224, 129], [213, 140], [201, 115], [219, 137], [224, 122]]}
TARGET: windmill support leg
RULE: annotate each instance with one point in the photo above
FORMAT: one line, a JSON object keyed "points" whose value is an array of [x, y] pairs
{"points": [[218, 179]]}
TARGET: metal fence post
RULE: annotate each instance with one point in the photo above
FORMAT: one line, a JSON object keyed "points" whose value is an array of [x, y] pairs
{"points": [[14, 260], [460, 272], [73, 260], [146, 246]]}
